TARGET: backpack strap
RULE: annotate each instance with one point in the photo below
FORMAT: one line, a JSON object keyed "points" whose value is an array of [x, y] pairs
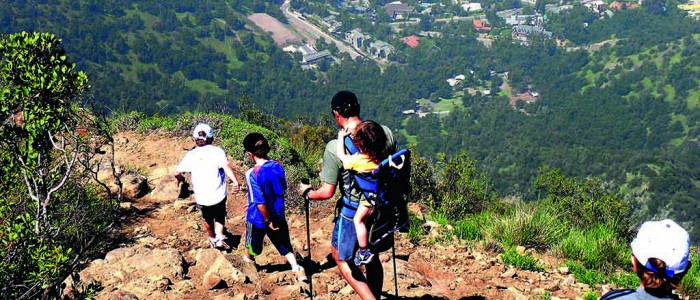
{"points": [[350, 146], [349, 207]]}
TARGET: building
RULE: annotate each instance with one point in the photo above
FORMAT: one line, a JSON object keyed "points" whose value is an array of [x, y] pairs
{"points": [[398, 11], [470, 7], [526, 30], [481, 25], [315, 57], [356, 38], [380, 49], [411, 41]]}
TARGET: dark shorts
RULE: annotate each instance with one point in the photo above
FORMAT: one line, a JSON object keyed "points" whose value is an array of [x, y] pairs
{"points": [[279, 238], [344, 239], [214, 213]]}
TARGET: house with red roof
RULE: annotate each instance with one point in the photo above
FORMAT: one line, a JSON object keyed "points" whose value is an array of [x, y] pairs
{"points": [[481, 25], [411, 41]]}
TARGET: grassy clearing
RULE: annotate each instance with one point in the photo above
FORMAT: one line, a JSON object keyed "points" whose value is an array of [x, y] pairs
{"points": [[205, 86]]}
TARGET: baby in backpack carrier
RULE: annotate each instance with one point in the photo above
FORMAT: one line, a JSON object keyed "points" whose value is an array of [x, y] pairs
{"points": [[370, 139]]}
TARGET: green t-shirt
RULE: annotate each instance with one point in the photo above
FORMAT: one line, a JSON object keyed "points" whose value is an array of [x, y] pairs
{"points": [[333, 170]]}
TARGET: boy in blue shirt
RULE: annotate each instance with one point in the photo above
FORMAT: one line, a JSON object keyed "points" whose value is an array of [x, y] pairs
{"points": [[265, 214]]}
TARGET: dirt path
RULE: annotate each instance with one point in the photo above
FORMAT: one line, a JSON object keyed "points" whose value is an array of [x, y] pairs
{"points": [[425, 271]]}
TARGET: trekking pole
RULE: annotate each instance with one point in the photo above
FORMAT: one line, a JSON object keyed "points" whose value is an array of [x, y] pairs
{"points": [[393, 257], [307, 205]]}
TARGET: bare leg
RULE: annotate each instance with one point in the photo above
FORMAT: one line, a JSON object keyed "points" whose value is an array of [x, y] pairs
{"points": [[219, 228], [354, 277], [360, 228], [207, 227], [291, 259]]}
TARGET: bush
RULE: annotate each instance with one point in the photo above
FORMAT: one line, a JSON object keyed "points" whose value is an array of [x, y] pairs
{"points": [[415, 230], [521, 261], [472, 227], [461, 189], [532, 226], [77, 220], [585, 203], [690, 286], [598, 248], [582, 274], [423, 182]]}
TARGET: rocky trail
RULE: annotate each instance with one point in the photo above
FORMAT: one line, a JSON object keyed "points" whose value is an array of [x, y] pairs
{"points": [[163, 252]]}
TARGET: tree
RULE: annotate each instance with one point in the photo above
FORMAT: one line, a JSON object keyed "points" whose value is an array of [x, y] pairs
{"points": [[50, 147]]}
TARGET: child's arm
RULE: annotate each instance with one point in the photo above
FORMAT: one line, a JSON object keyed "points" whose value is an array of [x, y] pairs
{"points": [[228, 170], [340, 145]]}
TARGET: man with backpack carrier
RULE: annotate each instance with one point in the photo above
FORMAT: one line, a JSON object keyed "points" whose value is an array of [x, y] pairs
{"points": [[346, 111]]}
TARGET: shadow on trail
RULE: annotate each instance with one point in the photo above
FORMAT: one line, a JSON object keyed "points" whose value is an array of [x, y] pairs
{"points": [[428, 297], [126, 218]]}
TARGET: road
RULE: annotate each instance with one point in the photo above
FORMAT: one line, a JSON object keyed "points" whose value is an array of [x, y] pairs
{"points": [[294, 19]]}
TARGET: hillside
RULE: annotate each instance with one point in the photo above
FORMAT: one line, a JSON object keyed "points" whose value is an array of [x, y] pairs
{"points": [[159, 228]]}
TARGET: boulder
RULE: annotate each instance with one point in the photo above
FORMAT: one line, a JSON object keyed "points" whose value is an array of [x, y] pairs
{"points": [[140, 271], [168, 189], [134, 185], [212, 264]]}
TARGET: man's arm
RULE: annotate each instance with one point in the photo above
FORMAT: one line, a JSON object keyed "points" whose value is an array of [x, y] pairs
{"points": [[326, 191]]}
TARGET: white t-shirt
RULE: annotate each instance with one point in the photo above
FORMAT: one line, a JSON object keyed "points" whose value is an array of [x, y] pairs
{"points": [[208, 179]]}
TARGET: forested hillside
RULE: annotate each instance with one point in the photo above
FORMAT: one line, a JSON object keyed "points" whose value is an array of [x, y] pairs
{"points": [[629, 113]]}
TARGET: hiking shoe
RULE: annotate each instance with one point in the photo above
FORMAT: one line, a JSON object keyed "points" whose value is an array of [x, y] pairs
{"points": [[212, 242], [363, 257], [301, 274], [221, 244]]}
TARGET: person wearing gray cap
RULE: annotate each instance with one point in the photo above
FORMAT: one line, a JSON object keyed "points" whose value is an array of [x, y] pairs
{"points": [[209, 167]]}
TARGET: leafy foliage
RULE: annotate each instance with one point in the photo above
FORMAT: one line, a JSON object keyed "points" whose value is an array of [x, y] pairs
{"points": [[461, 189], [584, 203], [53, 209]]}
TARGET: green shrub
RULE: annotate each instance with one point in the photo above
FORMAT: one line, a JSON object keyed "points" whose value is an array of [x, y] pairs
{"points": [[521, 261], [598, 248], [590, 295], [628, 280], [585, 203], [690, 286], [472, 226], [415, 230], [462, 190], [423, 182], [533, 226], [582, 274]]}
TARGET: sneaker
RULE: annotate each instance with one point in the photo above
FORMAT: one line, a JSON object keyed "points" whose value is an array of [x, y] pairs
{"points": [[363, 257], [301, 274], [219, 242], [248, 260]]}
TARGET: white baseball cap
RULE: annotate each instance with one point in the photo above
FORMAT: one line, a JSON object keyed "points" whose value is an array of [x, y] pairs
{"points": [[208, 132], [664, 240]]}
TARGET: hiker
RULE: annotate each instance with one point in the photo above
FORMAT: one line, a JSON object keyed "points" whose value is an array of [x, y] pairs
{"points": [[370, 140], [208, 164], [265, 215], [660, 255], [346, 111]]}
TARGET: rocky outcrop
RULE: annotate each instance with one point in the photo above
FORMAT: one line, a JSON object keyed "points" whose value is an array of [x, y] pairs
{"points": [[139, 271]]}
